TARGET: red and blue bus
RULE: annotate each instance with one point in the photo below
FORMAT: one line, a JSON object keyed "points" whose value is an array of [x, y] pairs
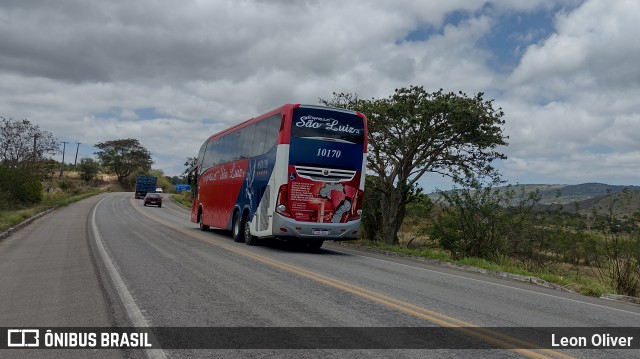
{"points": [[296, 172]]}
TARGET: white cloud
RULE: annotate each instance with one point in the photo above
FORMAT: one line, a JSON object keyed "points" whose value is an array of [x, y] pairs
{"points": [[594, 45], [580, 166], [82, 69], [576, 91]]}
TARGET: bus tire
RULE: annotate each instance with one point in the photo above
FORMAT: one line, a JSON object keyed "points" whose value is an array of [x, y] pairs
{"points": [[238, 227], [203, 227], [314, 244], [248, 238]]}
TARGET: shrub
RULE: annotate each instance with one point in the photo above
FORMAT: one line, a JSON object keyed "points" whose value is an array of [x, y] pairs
{"points": [[490, 223], [18, 187]]}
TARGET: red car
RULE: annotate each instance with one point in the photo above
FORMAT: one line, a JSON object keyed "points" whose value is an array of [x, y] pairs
{"points": [[153, 198]]}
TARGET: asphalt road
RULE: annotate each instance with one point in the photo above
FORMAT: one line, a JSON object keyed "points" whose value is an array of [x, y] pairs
{"points": [[109, 261]]}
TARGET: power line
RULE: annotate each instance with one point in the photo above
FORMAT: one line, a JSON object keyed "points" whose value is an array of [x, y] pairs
{"points": [[64, 148]]}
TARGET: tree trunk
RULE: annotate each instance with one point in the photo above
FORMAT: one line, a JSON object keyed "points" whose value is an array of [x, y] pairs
{"points": [[392, 208]]}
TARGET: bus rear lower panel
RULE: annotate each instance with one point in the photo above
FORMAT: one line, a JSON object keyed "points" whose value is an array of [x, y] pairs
{"points": [[287, 227]]}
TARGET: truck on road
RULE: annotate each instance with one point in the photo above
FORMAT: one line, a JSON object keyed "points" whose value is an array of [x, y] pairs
{"points": [[145, 184]]}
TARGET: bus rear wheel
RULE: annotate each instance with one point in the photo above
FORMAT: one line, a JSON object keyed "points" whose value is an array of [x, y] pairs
{"points": [[314, 244], [248, 238], [238, 227], [203, 227]]}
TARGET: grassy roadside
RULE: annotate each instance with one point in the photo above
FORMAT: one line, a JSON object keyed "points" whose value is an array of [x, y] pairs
{"points": [[184, 198], [10, 218], [580, 280]]}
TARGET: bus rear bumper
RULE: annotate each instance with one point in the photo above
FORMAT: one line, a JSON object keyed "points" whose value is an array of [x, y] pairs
{"points": [[287, 227]]}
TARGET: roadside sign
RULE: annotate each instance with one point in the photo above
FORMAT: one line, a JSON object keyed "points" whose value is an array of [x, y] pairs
{"points": [[183, 187]]}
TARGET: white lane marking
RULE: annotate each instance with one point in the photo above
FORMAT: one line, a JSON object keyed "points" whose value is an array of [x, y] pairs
{"points": [[492, 283], [134, 313]]}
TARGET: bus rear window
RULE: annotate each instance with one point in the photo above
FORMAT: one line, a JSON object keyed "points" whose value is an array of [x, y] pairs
{"points": [[320, 124]]}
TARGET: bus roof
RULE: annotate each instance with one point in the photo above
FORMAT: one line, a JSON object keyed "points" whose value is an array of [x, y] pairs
{"points": [[283, 108]]}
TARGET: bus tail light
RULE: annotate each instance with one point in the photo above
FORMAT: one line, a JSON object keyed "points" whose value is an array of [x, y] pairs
{"points": [[283, 200], [357, 214]]}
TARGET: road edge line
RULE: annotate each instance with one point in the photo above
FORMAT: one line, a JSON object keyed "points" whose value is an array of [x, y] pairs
{"points": [[133, 311]]}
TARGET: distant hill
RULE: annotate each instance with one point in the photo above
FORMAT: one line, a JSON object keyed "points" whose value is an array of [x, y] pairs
{"points": [[581, 192], [586, 196]]}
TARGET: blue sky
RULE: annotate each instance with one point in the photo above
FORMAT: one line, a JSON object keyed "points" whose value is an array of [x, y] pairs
{"points": [[513, 33], [564, 71]]}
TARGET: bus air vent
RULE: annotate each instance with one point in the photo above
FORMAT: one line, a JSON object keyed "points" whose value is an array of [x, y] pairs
{"points": [[325, 174]]}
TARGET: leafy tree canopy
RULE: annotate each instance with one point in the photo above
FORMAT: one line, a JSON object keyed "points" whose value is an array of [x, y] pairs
{"points": [[413, 132], [189, 164], [123, 157]]}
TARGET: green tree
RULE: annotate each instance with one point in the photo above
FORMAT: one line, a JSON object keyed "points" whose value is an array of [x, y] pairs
{"points": [[123, 157], [414, 132], [189, 164], [175, 179], [25, 145], [89, 168]]}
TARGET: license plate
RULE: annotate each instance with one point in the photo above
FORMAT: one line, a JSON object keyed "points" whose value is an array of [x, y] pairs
{"points": [[320, 232]]}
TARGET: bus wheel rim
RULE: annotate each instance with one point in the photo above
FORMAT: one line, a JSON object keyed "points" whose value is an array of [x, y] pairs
{"points": [[247, 231]]}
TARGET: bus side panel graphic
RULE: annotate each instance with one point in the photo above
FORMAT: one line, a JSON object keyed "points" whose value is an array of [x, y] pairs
{"points": [[254, 185], [224, 183]]}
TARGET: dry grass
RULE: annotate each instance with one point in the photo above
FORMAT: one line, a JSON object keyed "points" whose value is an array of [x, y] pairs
{"points": [[579, 278], [104, 177]]}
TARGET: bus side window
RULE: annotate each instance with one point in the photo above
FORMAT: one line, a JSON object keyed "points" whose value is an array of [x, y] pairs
{"points": [[274, 124], [234, 146], [201, 153], [212, 156], [247, 138], [260, 139]]}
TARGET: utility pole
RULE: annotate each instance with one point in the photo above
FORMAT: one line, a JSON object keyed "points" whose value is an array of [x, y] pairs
{"points": [[64, 148], [35, 144], [77, 148]]}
